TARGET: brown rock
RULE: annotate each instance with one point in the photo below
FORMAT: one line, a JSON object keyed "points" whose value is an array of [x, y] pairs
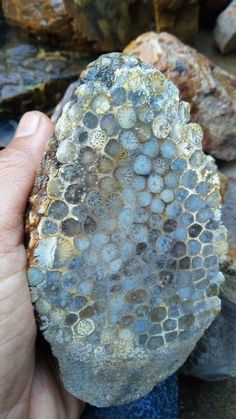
{"points": [[44, 17], [179, 17], [87, 25], [109, 25], [210, 90], [225, 29]]}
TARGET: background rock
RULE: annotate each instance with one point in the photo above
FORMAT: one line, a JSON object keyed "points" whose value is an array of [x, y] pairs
{"points": [[179, 17], [210, 90], [109, 25], [225, 29], [213, 400], [88, 25], [32, 77], [44, 17]]}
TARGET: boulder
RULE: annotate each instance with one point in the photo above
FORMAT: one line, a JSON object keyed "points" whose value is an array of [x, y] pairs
{"points": [[110, 25], [179, 17], [225, 29], [87, 25], [210, 90], [45, 18]]}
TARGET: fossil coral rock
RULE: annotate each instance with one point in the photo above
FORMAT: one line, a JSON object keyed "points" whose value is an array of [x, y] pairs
{"points": [[179, 17], [225, 30], [215, 355], [124, 233], [33, 77], [85, 25], [210, 90]]}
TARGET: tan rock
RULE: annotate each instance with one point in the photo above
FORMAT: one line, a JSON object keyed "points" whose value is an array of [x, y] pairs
{"points": [[225, 29], [179, 17], [210, 90]]}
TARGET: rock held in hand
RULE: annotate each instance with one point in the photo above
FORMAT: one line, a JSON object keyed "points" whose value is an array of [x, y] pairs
{"points": [[124, 233]]}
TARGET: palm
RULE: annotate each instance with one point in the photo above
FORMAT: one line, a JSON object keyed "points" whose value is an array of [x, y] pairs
{"points": [[36, 389], [28, 387]]}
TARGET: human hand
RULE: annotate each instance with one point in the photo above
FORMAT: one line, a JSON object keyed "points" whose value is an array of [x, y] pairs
{"points": [[28, 388]]}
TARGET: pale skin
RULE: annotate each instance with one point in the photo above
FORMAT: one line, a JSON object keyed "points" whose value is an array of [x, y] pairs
{"points": [[29, 388]]}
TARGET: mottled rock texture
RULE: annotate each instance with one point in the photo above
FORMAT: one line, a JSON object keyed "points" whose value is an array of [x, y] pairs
{"points": [[225, 29], [109, 24], [125, 232], [44, 17], [210, 90], [179, 17], [31, 77], [86, 25]]}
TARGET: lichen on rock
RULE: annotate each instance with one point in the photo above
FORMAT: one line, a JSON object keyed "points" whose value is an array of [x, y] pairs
{"points": [[125, 228]]}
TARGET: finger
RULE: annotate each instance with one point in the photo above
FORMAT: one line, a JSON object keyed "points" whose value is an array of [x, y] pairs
{"points": [[18, 166]]}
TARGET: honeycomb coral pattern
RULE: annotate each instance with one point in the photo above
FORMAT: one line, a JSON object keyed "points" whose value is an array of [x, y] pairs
{"points": [[123, 258]]}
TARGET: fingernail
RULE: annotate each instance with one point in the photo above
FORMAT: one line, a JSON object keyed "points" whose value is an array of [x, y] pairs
{"points": [[28, 124]]}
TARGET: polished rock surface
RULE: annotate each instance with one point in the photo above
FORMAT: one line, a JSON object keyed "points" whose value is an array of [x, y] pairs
{"points": [[125, 233]]}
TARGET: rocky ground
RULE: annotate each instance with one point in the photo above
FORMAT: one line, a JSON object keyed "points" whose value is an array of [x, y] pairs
{"points": [[200, 399]]}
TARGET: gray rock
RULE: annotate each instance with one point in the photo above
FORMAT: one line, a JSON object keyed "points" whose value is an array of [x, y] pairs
{"points": [[125, 233], [225, 29]]}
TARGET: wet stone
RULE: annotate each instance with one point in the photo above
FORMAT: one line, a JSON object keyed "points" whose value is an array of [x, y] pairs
{"points": [[121, 224]]}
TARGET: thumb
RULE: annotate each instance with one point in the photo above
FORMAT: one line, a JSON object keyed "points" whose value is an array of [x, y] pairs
{"points": [[18, 166]]}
